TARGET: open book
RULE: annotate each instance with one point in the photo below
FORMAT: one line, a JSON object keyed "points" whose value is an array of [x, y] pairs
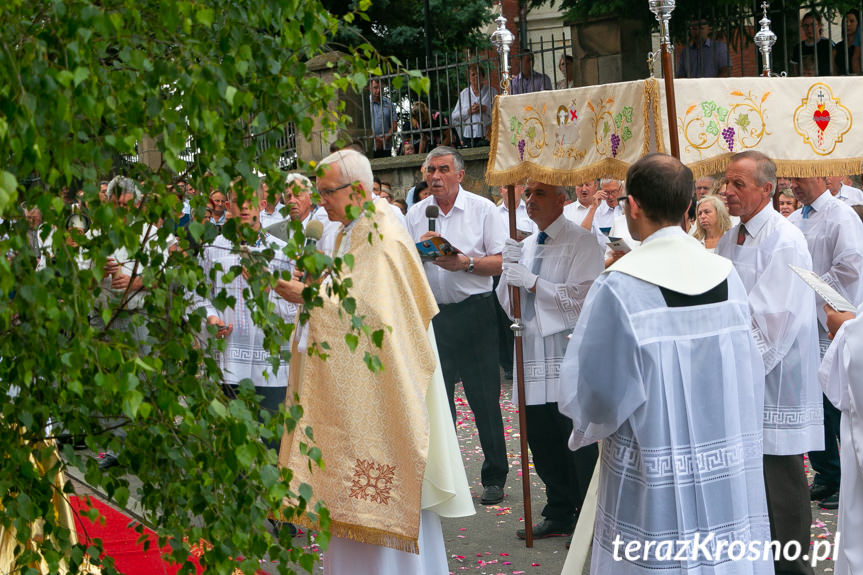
{"points": [[618, 244], [830, 296], [436, 247]]}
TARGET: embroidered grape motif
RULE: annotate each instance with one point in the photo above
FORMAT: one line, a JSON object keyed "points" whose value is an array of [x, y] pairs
{"points": [[615, 143], [728, 136]]}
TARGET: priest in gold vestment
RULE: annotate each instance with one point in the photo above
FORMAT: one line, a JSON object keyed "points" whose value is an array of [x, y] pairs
{"points": [[392, 463]]}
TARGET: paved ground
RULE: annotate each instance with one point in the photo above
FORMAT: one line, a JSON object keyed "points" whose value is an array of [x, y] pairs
{"points": [[485, 543]]}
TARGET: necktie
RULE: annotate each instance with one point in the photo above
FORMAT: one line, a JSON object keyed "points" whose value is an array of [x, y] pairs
{"points": [[741, 235], [537, 261], [807, 210], [529, 308]]}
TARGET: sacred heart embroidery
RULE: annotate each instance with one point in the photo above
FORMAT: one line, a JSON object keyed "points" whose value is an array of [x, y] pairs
{"points": [[821, 119]]}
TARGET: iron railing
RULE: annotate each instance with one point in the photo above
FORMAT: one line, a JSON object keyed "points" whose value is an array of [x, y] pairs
{"points": [[733, 28]]}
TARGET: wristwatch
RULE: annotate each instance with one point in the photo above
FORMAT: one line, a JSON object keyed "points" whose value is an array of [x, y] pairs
{"points": [[470, 266]]}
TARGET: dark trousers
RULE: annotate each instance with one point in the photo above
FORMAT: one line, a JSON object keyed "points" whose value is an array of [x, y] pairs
{"points": [[788, 508], [505, 337], [466, 334], [566, 473], [826, 463], [271, 399]]}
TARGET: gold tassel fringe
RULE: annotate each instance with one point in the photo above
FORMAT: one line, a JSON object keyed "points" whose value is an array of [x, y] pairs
{"points": [[608, 168], [650, 108], [369, 535], [784, 168], [492, 150], [818, 168]]}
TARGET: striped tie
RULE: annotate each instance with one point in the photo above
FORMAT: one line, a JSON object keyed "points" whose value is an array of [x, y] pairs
{"points": [[807, 210]]}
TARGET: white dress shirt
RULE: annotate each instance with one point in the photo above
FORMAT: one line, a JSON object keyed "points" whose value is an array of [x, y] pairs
{"points": [[850, 195], [269, 219], [834, 234], [605, 215], [522, 220], [475, 228], [576, 212], [473, 125]]}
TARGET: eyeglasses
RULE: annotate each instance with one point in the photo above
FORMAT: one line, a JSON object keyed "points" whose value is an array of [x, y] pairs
{"points": [[334, 190], [622, 201]]}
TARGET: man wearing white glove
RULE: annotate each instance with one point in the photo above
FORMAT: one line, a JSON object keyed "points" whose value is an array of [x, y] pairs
{"points": [[554, 270]]}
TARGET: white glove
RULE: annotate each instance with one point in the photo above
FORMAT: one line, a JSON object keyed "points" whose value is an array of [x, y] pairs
{"points": [[519, 276], [511, 251]]}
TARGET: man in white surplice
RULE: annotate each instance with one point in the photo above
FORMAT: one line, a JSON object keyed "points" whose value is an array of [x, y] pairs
{"points": [[245, 356], [553, 269], [841, 378], [663, 367], [834, 234], [784, 325]]}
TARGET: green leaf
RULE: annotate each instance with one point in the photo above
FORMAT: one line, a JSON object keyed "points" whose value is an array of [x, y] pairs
{"points": [[132, 402], [378, 337], [81, 74], [217, 408], [205, 16], [352, 340], [230, 94], [8, 190]]}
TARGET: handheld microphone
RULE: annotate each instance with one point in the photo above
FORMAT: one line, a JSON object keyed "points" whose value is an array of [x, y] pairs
{"points": [[432, 212], [314, 230]]}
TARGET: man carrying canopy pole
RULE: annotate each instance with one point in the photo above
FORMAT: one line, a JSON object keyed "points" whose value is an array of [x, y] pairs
{"points": [[552, 269]]}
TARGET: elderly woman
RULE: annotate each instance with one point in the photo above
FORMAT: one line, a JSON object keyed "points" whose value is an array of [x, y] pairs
{"points": [[711, 221], [786, 202]]}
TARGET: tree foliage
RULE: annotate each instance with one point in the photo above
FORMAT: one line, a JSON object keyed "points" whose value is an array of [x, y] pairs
{"points": [[84, 84], [397, 28]]}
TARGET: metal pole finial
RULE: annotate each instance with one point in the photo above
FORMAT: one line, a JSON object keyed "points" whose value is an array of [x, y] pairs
{"points": [[662, 10], [502, 39], [764, 39]]}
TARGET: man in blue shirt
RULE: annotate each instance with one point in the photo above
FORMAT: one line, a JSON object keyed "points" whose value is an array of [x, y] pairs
{"points": [[702, 57], [382, 121]]}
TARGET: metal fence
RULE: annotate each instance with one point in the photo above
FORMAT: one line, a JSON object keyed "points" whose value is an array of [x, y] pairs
{"points": [[812, 40], [403, 122], [718, 41], [283, 139]]}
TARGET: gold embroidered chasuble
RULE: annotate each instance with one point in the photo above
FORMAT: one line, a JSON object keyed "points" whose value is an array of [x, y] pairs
{"points": [[372, 428]]}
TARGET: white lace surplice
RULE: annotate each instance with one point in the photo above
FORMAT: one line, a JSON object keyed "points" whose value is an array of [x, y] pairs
{"points": [[245, 356], [841, 377], [571, 260], [677, 395], [784, 325]]}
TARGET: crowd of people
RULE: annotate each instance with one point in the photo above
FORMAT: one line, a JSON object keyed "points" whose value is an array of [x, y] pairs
{"points": [[660, 316]]}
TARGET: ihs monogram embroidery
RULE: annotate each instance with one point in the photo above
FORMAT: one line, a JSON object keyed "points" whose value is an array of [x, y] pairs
{"points": [[372, 481]]}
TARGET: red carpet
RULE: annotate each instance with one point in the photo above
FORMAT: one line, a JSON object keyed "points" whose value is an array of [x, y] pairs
{"points": [[120, 540]]}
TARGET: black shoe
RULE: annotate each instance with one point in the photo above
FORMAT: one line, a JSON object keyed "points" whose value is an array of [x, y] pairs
{"points": [[491, 495], [107, 461], [831, 502], [277, 527], [548, 528], [819, 491]]}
